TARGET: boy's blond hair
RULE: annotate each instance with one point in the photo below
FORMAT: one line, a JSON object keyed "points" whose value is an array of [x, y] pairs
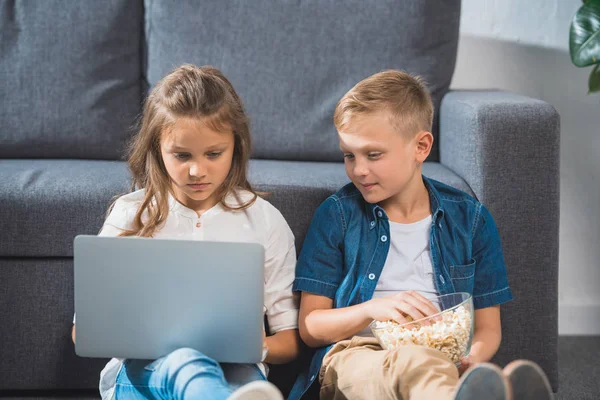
{"points": [[404, 96]]}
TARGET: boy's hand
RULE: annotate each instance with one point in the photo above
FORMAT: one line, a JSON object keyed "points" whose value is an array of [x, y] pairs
{"points": [[400, 306], [465, 364]]}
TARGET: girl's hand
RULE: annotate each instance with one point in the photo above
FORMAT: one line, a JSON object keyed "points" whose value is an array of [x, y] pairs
{"points": [[402, 307], [265, 347]]}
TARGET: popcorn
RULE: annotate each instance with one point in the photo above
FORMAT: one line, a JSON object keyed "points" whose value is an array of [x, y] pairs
{"points": [[450, 334]]}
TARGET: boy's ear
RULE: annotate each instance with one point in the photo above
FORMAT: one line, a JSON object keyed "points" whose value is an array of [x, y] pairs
{"points": [[424, 142]]}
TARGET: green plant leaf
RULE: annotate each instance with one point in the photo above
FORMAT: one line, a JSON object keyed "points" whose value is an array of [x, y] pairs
{"points": [[594, 82], [584, 35]]}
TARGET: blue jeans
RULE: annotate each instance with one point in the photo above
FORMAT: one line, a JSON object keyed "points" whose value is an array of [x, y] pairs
{"points": [[183, 374]]}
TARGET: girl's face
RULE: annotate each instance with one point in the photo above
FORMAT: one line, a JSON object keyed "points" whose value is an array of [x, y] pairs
{"points": [[198, 160]]}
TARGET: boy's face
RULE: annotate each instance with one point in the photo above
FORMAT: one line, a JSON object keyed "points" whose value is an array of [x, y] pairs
{"points": [[379, 160], [198, 160]]}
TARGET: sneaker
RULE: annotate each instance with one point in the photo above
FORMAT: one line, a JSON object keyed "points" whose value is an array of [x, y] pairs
{"points": [[257, 390], [528, 380], [483, 381]]}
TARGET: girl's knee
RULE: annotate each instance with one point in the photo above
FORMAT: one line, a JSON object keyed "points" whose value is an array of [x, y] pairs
{"points": [[179, 368], [186, 355]]}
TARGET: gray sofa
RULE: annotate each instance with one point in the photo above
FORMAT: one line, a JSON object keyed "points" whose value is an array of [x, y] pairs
{"points": [[73, 75]]}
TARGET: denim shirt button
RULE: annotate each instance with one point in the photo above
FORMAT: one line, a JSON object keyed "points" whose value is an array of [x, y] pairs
{"points": [[379, 214], [312, 378], [442, 280], [371, 276], [384, 238], [372, 223]]}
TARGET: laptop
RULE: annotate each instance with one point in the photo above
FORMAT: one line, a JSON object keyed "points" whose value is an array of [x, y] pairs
{"points": [[143, 298]]}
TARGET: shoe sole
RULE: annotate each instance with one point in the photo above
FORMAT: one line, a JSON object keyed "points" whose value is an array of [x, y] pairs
{"points": [[528, 380], [477, 377]]}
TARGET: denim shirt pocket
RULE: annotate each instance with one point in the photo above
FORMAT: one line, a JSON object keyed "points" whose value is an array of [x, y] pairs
{"points": [[463, 277]]}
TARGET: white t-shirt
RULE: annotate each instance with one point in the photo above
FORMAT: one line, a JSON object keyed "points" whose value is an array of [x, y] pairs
{"points": [[260, 223], [408, 264]]}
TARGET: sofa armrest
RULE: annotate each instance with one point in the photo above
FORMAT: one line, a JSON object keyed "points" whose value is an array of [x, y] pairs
{"points": [[506, 147], [495, 140]]}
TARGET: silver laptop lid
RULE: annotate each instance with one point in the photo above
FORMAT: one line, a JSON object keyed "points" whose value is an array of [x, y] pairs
{"points": [[144, 298]]}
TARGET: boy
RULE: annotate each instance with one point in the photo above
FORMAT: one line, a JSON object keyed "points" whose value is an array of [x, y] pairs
{"points": [[387, 244]]}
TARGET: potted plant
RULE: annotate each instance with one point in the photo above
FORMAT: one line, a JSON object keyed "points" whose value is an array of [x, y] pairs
{"points": [[584, 41]]}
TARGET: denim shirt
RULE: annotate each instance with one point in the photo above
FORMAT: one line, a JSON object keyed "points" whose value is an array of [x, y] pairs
{"points": [[347, 244]]}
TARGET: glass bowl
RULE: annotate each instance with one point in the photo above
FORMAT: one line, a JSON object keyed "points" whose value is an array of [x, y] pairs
{"points": [[449, 331]]}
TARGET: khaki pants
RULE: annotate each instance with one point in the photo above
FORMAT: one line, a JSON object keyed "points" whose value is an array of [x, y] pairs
{"points": [[360, 369]]}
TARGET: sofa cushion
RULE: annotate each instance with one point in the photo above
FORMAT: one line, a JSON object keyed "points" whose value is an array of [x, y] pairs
{"points": [[36, 305], [46, 203], [292, 61], [70, 77]]}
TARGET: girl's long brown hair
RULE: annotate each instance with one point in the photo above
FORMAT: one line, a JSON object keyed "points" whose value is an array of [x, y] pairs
{"points": [[188, 91]]}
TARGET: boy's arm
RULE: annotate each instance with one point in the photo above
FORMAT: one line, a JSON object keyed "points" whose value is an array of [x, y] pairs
{"points": [[320, 325], [319, 272], [491, 280], [486, 337], [73, 334], [490, 289]]}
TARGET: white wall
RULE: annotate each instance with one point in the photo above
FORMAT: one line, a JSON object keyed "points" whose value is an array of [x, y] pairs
{"points": [[522, 46]]}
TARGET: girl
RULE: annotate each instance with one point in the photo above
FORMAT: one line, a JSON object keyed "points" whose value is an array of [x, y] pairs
{"points": [[188, 163]]}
